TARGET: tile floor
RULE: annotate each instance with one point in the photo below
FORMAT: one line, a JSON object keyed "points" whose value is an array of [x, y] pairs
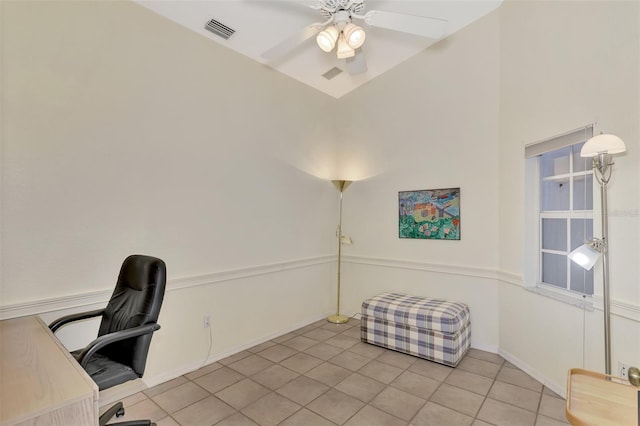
{"points": [[323, 375]]}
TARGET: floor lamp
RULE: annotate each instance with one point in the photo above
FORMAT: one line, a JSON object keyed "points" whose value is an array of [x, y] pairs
{"points": [[601, 148], [341, 185]]}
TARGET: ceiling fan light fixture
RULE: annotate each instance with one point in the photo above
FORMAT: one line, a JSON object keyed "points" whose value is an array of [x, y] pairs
{"points": [[354, 35], [327, 38], [344, 50]]}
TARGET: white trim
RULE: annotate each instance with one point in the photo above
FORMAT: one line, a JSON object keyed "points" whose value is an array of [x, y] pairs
{"points": [[251, 271], [533, 250], [563, 295], [423, 266], [494, 349], [54, 304], [558, 388], [114, 394], [196, 365], [102, 296], [511, 278], [619, 308], [572, 137]]}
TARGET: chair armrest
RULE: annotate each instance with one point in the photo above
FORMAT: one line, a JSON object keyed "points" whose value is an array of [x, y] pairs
{"points": [[107, 339], [55, 325]]}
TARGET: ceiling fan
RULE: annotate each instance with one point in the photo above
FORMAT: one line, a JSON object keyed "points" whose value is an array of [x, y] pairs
{"points": [[338, 31]]}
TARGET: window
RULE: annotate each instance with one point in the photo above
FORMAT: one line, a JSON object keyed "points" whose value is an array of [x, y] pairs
{"points": [[560, 206]]}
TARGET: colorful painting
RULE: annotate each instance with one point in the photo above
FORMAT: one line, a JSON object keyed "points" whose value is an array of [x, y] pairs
{"points": [[433, 214]]}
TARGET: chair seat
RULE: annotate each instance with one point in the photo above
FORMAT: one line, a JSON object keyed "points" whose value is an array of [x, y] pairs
{"points": [[106, 372]]}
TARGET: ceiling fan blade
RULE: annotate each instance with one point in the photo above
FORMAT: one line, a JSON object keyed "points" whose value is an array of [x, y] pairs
{"points": [[281, 49], [419, 25], [357, 64]]}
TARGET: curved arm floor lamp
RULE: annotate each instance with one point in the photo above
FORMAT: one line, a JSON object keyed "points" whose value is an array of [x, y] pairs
{"points": [[341, 185], [601, 148]]}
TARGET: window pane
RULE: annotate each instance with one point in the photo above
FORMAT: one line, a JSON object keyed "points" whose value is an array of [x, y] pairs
{"points": [[555, 162], [581, 232], [581, 279], [554, 196], [583, 192], [554, 234], [554, 269], [580, 164], [566, 193]]}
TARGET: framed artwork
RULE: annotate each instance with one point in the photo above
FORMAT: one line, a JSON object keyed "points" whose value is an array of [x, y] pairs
{"points": [[432, 214]]}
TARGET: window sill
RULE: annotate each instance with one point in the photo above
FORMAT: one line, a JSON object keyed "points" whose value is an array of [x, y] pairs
{"points": [[580, 301]]}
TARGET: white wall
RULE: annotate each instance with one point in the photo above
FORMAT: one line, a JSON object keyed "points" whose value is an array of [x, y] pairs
{"points": [[122, 132], [429, 123], [125, 133], [565, 65], [459, 115]]}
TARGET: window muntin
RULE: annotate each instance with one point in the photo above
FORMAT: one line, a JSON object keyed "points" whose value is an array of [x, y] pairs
{"points": [[565, 217]]}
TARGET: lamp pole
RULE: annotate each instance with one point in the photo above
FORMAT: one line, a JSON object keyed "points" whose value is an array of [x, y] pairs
{"points": [[601, 149], [341, 185], [602, 167]]}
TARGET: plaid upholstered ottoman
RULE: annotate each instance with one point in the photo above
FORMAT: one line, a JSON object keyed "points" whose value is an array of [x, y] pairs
{"points": [[433, 329]]}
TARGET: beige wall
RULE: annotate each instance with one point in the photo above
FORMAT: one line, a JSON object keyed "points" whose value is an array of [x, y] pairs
{"points": [[123, 132], [460, 115], [564, 65], [429, 123]]}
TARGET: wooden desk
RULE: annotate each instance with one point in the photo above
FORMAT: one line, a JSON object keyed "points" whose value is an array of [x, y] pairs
{"points": [[594, 400], [40, 382]]}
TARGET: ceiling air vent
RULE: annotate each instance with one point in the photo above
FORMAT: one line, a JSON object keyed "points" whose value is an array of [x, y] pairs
{"points": [[219, 29], [332, 73]]}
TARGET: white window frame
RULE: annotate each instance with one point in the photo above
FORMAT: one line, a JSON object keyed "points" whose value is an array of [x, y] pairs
{"points": [[533, 218]]}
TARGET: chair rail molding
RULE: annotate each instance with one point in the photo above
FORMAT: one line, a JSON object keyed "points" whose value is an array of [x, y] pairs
{"points": [[618, 307], [443, 268], [102, 296]]}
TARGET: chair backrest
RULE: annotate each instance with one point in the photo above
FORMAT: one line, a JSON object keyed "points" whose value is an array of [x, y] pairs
{"points": [[135, 301]]}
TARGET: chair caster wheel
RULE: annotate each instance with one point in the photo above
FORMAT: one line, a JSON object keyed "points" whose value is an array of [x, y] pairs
{"points": [[120, 412]]}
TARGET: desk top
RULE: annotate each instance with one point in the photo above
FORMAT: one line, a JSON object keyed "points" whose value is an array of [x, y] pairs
{"points": [[597, 399], [37, 374]]}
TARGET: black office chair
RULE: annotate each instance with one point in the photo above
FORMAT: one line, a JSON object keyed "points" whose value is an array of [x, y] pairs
{"points": [[119, 354]]}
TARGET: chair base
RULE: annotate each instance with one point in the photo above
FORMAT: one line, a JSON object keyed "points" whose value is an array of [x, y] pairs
{"points": [[118, 410]]}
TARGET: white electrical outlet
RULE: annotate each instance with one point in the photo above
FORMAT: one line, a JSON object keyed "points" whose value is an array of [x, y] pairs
{"points": [[623, 370], [206, 320]]}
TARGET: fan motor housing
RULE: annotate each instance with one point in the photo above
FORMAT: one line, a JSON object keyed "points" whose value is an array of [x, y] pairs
{"points": [[330, 7]]}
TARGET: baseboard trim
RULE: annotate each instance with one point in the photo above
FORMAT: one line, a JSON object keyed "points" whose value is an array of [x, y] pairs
{"points": [[494, 349], [117, 393], [556, 387], [196, 365]]}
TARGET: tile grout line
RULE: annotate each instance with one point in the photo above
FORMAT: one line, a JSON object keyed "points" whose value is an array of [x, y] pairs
{"points": [[318, 325], [486, 396]]}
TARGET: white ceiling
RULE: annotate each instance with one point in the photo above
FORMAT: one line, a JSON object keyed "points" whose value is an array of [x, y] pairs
{"points": [[261, 24]]}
